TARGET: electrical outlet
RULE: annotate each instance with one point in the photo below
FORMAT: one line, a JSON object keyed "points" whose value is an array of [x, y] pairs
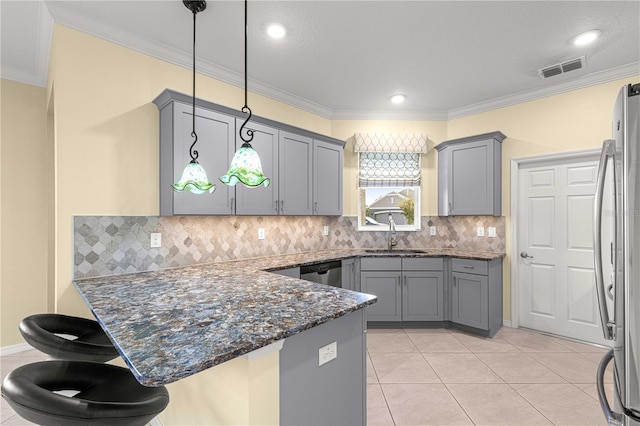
{"points": [[261, 233], [480, 230], [326, 231], [432, 230], [492, 232], [155, 240], [327, 353]]}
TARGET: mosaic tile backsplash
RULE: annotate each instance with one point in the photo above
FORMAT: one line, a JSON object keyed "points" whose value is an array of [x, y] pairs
{"points": [[110, 245]]}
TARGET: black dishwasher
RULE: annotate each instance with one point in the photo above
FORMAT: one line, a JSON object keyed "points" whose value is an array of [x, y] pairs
{"points": [[328, 273]]}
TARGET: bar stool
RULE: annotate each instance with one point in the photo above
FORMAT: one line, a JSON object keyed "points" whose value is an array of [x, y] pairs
{"points": [[107, 394], [91, 342]]}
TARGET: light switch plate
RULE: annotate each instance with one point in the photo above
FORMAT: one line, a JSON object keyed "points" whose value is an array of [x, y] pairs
{"points": [[480, 231], [325, 231], [432, 230], [261, 233], [492, 232], [156, 240], [327, 353]]}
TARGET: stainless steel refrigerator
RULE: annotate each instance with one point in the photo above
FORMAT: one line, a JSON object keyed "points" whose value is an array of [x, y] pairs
{"points": [[617, 259]]}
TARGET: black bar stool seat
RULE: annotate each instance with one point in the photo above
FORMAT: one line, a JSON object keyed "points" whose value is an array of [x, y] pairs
{"points": [[91, 343], [108, 394]]}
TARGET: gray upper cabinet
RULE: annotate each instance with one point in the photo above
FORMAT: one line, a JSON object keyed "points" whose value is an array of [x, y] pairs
{"points": [[470, 175], [215, 147], [305, 168], [260, 200], [327, 178], [296, 174]]}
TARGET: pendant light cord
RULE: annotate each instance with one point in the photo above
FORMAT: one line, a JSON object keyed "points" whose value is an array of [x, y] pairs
{"points": [[246, 108], [192, 152]]}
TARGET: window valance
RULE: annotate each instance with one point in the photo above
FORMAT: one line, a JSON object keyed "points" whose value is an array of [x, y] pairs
{"points": [[388, 169], [382, 142]]}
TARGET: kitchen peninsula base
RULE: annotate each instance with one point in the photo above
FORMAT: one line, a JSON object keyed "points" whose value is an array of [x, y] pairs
{"points": [[286, 387]]}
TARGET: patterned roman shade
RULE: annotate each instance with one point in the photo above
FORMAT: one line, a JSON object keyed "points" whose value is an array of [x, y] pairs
{"points": [[382, 142], [389, 160]]}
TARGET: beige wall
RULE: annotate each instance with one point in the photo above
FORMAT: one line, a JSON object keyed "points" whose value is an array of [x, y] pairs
{"points": [[105, 134], [23, 195], [571, 121], [436, 133]]}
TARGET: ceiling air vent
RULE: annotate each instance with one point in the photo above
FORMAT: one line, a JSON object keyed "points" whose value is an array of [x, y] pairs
{"points": [[557, 69]]}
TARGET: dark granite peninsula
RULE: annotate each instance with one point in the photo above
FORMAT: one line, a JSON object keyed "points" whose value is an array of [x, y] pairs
{"points": [[261, 331], [170, 324]]}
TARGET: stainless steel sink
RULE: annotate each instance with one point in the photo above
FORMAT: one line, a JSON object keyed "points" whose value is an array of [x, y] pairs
{"points": [[394, 252]]}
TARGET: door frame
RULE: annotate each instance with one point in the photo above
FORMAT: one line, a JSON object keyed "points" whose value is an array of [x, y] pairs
{"points": [[592, 154]]}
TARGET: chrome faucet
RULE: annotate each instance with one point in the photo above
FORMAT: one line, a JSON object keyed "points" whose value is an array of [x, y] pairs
{"points": [[391, 238]]}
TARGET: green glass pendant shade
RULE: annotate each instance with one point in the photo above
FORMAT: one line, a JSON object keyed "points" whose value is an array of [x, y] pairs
{"points": [[245, 168], [194, 179]]}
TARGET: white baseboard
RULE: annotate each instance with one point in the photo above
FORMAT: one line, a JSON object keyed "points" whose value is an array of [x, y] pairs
{"points": [[506, 323], [156, 422], [14, 349]]}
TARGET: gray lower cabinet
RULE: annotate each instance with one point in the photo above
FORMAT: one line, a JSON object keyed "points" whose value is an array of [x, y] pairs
{"points": [[412, 290], [470, 175], [476, 294], [295, 174], [385, 285], [351, 274]]}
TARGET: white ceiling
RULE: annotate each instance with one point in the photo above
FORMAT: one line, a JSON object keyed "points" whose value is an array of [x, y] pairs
{"points": [[345, 59]]}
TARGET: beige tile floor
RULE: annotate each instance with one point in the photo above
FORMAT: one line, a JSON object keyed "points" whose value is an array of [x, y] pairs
{"points": [[446, 377]]}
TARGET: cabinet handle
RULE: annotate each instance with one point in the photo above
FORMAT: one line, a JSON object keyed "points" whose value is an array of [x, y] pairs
{"points": [[468, 267], [455, 280], [277, 206], [405, 280], [449, 212], [315, 207], [282, 206]]}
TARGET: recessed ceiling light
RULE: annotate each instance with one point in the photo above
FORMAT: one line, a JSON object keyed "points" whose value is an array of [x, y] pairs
{"points": [[276, 31], [398, 99], [586, 38]]}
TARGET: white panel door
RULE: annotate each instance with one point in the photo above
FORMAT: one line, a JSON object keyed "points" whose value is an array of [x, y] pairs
{"points": [[555, 237]]}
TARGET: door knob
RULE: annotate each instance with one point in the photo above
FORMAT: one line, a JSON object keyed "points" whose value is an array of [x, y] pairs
{"points": [[524, 255]]}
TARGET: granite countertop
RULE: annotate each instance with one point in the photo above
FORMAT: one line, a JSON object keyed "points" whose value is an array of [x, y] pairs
{"points": [[172, 323]]}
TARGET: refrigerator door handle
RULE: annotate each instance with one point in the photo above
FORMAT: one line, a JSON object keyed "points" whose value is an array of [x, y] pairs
{"points": [[612, 417], [607, 324]]}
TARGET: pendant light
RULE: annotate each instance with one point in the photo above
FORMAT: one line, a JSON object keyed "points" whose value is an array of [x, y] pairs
{"points": [[194, 178], [245, 166]]}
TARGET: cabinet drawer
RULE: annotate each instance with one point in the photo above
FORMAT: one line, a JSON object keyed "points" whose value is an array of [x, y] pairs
{"points": [[381, 264], [470, 266], [422, 264]]}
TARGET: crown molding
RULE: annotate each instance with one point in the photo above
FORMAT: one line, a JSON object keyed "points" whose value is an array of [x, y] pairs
{"points": [[67, 17], [38, 75], [388, 115], [629, 70]]}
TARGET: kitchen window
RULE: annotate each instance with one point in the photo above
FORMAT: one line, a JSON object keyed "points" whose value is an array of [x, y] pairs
{"points": [[389, 181]]}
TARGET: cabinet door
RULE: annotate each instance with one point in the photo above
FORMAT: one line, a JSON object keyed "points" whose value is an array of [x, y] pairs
{"points": [[385, 285], [260, 200], [216, 146], [422, 296], [470, 300], [471, 178], [349, 274], [295, 163], [327, 178]]}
